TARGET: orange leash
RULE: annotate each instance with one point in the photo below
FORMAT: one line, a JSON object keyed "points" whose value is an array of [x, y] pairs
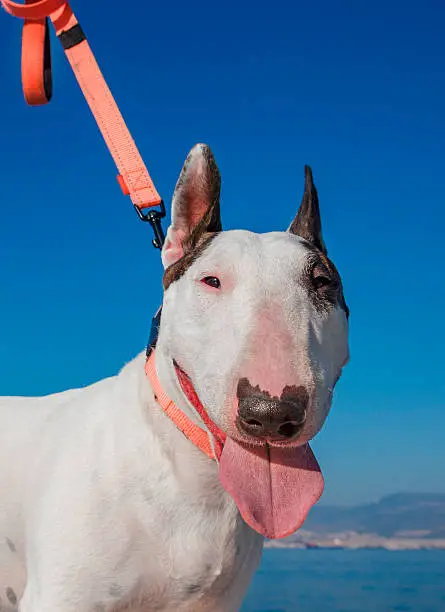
{"points": [[133, 177]]}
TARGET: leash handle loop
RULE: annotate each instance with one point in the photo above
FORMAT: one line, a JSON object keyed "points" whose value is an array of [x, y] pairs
{"points": [[36, 62], [38, 9], [133, 178]]}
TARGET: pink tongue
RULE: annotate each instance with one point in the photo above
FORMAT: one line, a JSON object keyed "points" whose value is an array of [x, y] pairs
{"points": [[273, 487]]}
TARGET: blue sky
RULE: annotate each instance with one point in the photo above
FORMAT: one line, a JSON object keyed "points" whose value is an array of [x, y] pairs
{"points": [[356, 89]]}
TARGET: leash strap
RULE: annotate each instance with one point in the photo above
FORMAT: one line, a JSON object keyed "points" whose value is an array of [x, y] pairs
{"points": [[133, 177]]}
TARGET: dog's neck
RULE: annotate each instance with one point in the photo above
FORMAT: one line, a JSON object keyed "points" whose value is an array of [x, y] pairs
{"points": [[176, 446], [164, 454], [197, 434], [168, 379]]}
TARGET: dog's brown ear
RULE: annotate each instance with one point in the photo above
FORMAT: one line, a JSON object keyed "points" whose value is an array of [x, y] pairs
{"points": [[307, 223], [195, 205]]}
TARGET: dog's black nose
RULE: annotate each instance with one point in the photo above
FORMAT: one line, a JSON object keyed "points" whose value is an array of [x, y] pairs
{"points": [[271, 418]]}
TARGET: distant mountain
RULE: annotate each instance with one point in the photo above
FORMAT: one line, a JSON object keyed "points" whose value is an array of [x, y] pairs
{"points": [[399, 515]]}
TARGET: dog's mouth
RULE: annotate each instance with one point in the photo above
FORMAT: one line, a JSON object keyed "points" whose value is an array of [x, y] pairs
{"points": [[273, 483], [181, 372]]}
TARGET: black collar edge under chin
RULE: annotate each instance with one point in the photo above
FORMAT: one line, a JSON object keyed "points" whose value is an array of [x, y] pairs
{"points": [[154, 332]]}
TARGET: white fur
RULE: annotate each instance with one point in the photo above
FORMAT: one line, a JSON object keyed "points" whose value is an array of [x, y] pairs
{"points": [[104, 504]]}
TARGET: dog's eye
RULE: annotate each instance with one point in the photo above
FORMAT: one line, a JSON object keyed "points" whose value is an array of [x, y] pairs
{"points": [[321, 281], [321, 277], [211, 281]]}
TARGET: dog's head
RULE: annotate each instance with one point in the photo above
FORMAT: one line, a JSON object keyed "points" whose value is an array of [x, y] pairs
{"points": [[258, 323]]}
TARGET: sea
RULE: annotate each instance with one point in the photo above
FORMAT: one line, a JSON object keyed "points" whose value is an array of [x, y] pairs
{"points": [[320, 580]]}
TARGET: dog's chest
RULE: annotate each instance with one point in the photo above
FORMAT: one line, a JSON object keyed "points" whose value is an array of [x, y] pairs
{"points": [[202, 556], [195, 550]]}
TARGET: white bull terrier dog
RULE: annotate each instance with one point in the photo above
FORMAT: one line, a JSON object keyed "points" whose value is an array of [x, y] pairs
{"points": [[154, 489]]}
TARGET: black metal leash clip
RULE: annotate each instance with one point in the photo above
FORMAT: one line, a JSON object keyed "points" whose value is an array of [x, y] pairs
{"points": [[154, 217]]}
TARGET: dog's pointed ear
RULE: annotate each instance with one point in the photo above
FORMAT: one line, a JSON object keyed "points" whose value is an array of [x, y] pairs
{"points": [[195, 205], [307, 223]]}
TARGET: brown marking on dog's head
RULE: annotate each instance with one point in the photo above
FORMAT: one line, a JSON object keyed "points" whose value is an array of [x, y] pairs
{"points": [[290, 393], [192, 251], [323, 282]]}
